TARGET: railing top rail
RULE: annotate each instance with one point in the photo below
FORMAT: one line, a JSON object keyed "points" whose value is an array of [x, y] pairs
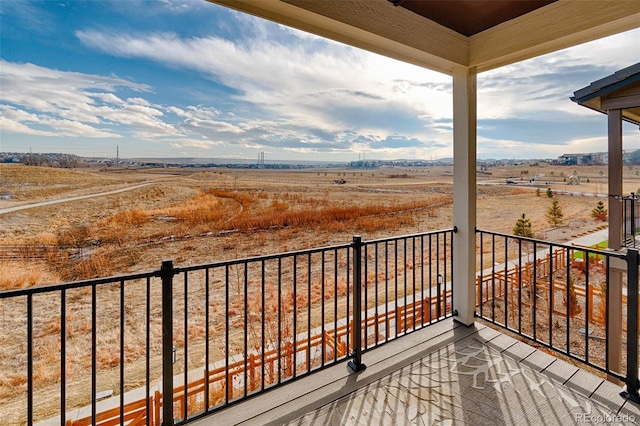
{"points": [[402, 237], [615, 254], [4, 294]]}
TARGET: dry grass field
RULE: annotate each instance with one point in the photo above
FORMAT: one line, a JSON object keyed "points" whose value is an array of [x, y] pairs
{"points": [[197, 216]]}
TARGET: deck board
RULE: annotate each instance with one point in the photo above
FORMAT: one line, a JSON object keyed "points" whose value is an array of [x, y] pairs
{"points": [[560, 371], [584, 382], [473, 375], [631, 409], [519, 351], [538, 360], [608, 395]]}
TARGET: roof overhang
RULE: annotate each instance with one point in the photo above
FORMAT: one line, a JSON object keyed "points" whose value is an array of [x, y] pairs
{"points": [[469, 17], [620, 90], [400, 33]]}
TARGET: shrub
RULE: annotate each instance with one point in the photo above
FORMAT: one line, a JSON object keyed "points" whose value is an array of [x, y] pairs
{"points": [[522, 227], [554, 214], [574, 304], [599, 212], [600, 315], [14, 275]]}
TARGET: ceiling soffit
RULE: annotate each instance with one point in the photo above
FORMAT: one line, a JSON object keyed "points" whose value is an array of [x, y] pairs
{"points": [[469, 17], [373, 25], [399, 33], [557, 26]]}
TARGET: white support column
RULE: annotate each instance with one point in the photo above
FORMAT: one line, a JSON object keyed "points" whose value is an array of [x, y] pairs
{"points": [[614, 118], [464, 192], [614, 323]]}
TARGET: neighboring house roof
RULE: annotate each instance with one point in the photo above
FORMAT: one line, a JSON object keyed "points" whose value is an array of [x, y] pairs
{"points": [[620, 90]]}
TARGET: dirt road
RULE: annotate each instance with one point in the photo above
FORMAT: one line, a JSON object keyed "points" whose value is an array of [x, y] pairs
{"points": [[64, 200]]}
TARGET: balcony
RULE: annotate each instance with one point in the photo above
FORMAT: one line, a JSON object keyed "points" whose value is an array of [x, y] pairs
{"points": [[227, 341], [273, 338], [468, 375]]}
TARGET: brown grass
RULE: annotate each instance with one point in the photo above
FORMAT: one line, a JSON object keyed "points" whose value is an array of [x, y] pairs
{"points": [[187, 218], [14, 275], [329, 216], [28, 183]]}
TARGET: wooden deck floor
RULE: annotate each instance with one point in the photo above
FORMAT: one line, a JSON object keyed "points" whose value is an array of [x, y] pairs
{"points": [[444, 374]]}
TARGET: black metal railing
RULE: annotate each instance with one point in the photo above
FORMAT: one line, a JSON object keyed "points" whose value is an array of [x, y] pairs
{"points": [[74, 339], [630, 220], [207, 336], [578, 301]]}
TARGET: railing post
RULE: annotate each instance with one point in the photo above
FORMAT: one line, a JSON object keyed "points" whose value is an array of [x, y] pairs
{"points": [[633, 219], [356, 364], [631, 391], [166, 273], [438, 293]]}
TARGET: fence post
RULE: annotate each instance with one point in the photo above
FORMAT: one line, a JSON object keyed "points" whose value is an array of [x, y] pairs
{"points": [[356, 364], [252, 372], [631, 391], [166, 273]]}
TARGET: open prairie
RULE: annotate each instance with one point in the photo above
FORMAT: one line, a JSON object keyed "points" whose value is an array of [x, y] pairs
{"points": [[201, 215], [198, 216]]}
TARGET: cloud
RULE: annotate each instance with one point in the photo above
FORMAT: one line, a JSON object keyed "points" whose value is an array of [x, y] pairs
{"points": [[307, 94], [545, 131], [40, 101], [397, 142], [307, 84], [177, 5], [15, 120], [524, 110], [202, 126], [542, 86], [28, 15], [198, 112], [193, 143], [261, 86]]}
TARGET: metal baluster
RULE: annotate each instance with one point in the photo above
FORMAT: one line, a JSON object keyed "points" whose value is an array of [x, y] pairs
{"points": [[166, 272], [631, 391], [356, 364]]}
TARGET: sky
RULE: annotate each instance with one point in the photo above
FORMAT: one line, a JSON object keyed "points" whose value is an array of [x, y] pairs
{"points": [[177, 78]]}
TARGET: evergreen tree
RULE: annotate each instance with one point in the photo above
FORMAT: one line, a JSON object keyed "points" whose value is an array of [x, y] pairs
{"points": [[549, 193], [574, 304], [599, 213], [538, 192], [554, 214], [523, 227]]}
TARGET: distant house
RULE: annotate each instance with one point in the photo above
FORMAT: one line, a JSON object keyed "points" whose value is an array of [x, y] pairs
{"points": [[577, 159], [629, 156]]}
